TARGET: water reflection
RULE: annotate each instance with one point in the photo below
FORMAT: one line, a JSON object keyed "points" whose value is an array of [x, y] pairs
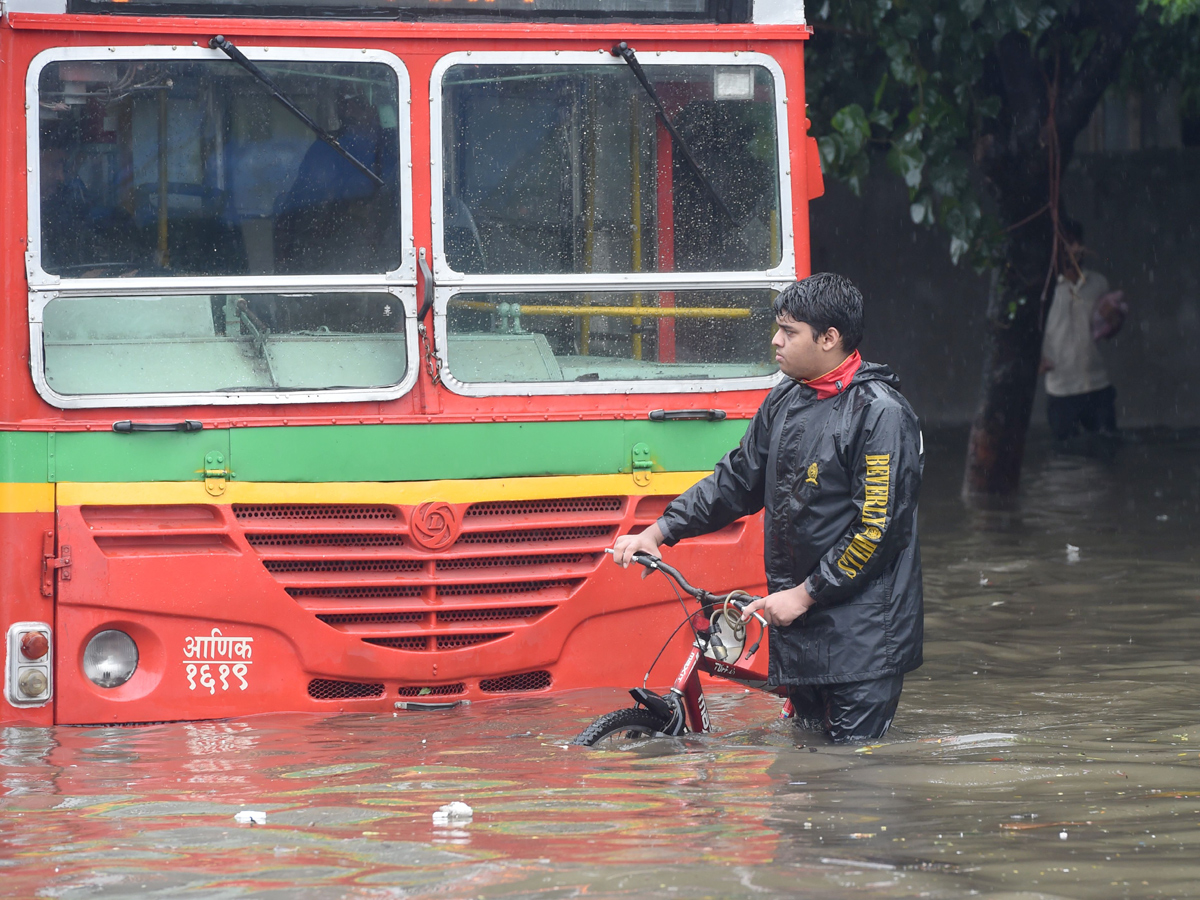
{"points": [[1049, 747]]}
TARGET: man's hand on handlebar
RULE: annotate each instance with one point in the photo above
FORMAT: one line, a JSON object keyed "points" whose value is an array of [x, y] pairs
{"points": [[781, 608], [626, 545]]}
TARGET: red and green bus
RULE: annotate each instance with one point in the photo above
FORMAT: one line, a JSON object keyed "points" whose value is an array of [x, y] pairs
{"points": [[340, 338]]}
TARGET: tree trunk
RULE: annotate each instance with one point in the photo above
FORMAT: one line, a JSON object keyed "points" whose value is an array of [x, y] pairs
{"points": [[1012, 350], [1045, 103]]}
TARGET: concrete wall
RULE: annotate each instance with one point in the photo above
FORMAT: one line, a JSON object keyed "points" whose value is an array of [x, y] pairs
{"points": [[1140, 212]]}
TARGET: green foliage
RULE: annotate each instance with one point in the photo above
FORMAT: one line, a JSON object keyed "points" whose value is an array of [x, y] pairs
{"points": [[1173, 11], [915, 79], [1168, 54]]}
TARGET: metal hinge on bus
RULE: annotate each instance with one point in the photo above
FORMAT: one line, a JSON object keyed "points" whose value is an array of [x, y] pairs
{"points": [[215, 473], [52, 562], [642, 464]]}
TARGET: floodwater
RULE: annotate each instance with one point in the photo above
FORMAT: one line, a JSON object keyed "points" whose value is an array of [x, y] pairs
{"points": [[1050, 747]]}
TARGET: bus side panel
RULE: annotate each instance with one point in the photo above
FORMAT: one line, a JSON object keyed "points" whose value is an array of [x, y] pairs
{"points": [[26, 532], [22, 537]]}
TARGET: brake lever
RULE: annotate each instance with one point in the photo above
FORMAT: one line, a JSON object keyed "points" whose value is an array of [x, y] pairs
{"points": [[742, 604], [762, 631], [646, 559]]}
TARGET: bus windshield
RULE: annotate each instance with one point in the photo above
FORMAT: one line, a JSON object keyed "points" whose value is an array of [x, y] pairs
{"points": [[563, 188], [153, 168], [553, 168]]}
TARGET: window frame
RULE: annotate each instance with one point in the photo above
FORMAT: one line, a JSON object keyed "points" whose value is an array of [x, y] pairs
{"points": [[446, 275], [449, 282], [442, 297], [406, 298], [43, 287], [38, 277]]}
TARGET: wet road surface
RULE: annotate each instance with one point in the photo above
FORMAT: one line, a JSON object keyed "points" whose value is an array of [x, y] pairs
{"points": [[1050, 747]]}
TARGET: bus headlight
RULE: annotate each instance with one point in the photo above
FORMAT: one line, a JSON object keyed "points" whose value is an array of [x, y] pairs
{"points": [[110, 658]]}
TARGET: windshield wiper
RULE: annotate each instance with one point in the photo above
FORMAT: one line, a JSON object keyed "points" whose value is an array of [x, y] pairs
{"points": [[626, 53], [220, 42], [258, 335]]}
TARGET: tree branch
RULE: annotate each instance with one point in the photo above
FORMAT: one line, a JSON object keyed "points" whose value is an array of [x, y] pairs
{"points": [[1023, 87], [1117, 20]]}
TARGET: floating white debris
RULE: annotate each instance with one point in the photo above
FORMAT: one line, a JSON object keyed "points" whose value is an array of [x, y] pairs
{"points": [[1062, 835], [983, 739], [456, 811], [1072, 553], [251, 817]]}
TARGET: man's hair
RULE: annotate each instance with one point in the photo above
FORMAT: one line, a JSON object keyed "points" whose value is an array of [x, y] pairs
{"points": [[1071, 229], [825, 301]]}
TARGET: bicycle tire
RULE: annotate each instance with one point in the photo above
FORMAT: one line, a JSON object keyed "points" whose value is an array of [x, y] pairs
{"points": [[623, 725]]}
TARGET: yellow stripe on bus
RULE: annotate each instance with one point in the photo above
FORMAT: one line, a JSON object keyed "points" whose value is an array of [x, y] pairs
{"points": [[153, 493], [16, 497]]}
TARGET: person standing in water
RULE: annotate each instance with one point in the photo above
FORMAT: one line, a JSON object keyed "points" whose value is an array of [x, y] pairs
{"points": [[835, 456], [1080, 399]]}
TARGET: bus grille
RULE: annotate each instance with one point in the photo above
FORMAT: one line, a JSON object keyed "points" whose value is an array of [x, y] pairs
{"points": [[433, 690], [407, 579], [511, 684], [420, 643], [423, 579], [326, 689], [244, 512]]}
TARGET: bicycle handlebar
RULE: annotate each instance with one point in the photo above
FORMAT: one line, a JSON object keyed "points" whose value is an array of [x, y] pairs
{"points": [[653, 562]]}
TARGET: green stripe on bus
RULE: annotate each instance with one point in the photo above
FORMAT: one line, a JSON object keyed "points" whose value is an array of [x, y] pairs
{"points": [[23, 457], [369, 452]]}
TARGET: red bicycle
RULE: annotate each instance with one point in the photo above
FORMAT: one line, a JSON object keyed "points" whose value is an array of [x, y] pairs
{"points": [[719, 648]]}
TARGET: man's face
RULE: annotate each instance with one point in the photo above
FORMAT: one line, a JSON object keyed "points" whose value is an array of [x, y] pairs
{"points": [[798, 354]]}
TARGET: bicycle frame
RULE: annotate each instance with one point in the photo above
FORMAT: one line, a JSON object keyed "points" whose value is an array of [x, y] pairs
{"points": [[686, 696], [690, 692]]}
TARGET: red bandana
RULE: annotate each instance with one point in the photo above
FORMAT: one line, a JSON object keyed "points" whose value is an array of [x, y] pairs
{"points": [[834, 382]]}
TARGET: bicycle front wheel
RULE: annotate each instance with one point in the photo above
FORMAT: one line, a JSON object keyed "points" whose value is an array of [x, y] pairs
{"points": [[622, 726]]}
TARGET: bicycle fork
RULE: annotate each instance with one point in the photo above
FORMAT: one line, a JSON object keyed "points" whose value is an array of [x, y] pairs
{"points": [[683, 705], [689, 694]]}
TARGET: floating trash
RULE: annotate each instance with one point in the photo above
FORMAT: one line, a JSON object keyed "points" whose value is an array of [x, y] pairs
{"points": [[1072, 553], [251, 817], [456, 811], [982, 739]]}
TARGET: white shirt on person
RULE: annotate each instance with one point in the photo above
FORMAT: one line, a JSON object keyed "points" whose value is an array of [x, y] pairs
{"points": [[1068, 344]]}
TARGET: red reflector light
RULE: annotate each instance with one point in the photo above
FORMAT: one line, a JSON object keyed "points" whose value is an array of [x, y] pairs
{"points": [[34, 645]]}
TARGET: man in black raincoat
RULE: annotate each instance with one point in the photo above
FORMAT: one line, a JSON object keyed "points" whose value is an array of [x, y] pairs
{"points": [[834, 455]]}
